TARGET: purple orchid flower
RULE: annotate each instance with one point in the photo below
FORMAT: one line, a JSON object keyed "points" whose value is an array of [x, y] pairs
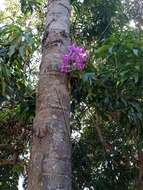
{"points": [[76, 56]]}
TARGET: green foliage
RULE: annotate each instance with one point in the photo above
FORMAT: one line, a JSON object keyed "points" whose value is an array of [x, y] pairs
{"points": [[8, 178], [18, 43], [96, 20], [16, 49], [104, 170], [110, 91], [30, 5], [106, 99], [108, 95]]}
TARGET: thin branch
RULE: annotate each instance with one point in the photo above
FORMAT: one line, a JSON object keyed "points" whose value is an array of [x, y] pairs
{"points": [[5, 146], [7, 162], [99, 133], [8, 147], [11, 162]]}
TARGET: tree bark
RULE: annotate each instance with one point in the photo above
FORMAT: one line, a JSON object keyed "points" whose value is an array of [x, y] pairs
{"points": [[50, 162]]}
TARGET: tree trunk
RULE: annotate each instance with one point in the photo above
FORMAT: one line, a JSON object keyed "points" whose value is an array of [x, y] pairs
{"points": [[50, 164]]}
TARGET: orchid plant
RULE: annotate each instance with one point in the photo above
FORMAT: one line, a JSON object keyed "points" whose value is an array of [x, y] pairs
{"points": [[75, 59]]}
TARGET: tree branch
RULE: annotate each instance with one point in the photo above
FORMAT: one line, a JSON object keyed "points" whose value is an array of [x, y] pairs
{"points": [[10, 162]]}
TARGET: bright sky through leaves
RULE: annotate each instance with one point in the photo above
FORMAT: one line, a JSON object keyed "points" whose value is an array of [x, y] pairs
{"points": [[2, 6]]}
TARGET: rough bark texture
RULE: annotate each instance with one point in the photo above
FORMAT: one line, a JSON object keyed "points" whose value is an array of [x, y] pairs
{"points": [[50, 166]]}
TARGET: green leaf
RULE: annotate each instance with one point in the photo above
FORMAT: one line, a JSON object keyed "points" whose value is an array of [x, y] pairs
{"points": [[21, 51], [12, 50], [136, 52]]}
